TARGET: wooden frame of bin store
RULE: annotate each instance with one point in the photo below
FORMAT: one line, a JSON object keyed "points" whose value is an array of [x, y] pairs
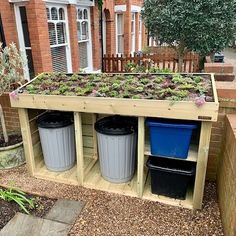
{"points": [[86, 111]]}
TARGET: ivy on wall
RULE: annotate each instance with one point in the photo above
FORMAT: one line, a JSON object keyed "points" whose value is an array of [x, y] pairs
{"points": [[100, 2]]}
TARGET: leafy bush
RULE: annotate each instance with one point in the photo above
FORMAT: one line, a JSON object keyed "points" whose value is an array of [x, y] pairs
{"points": [[135, 68], [18, 197]]}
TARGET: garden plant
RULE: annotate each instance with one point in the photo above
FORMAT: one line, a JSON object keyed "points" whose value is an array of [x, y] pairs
{"points": [[202, 26], [11, 76], [173, 87], [17, 196], [12, 63]]}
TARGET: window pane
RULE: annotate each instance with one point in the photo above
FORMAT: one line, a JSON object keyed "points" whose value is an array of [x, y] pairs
{"points": [[2, 37], [80, 14], [120, 24], [54, 13], [52, 33], [59, 62], [84, 30], [30, 63], [48, 13], [83, 55], [61, 33], [79, 31], [132, 27], [61, 14], [85, 14], [133, 16], [120, 44], [24, 26]]}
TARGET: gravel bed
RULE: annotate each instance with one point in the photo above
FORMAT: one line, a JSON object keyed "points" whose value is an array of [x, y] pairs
{"points": [[113, 214]]}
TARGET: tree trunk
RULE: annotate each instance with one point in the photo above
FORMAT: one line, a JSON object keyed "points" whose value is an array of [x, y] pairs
{"points": [[181, 62], [180, 51], [4, 129]]}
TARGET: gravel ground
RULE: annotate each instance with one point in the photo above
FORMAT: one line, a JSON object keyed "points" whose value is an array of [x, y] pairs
{"points": [[111, 214]]}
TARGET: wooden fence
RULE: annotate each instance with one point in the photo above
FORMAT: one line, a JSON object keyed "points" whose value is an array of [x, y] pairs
{"points": [[116, 63]]}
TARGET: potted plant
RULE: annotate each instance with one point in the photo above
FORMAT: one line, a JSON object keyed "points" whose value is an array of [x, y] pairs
{"points": [[11, 76]]}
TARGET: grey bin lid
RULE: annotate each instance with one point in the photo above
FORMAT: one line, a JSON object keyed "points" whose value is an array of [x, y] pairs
{"points": [[116, 125], [55, 120]]}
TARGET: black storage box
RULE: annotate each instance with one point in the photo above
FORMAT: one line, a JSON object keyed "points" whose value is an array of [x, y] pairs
{"points": [[170, 177]]}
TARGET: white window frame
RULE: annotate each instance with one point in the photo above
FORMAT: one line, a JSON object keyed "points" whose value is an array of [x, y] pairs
{"points": [[19, 28], [122, 35], [140, 31], [89, 68], [133, 36], [67, 39]]}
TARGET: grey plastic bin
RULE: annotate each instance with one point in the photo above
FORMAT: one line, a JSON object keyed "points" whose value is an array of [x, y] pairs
{"points": [[117, 142], [56, 131]]}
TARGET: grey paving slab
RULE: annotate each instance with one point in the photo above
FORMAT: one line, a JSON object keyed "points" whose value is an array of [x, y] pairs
{"points": [[65, 211], [27, 225]]}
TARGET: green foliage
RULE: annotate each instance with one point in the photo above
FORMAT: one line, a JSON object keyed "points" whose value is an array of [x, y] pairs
{"points": [[17, 196], [202, 26], [104, 89], [151, 68], [115, 86], [136, 97], [113, 94], [12, 63]]}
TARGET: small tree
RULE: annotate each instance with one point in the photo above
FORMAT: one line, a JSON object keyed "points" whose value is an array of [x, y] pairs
{"points": [[11, 75], [202, 26]]}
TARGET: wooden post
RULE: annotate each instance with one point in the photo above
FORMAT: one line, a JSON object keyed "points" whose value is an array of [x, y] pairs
{"points": [[140, 174], [27, 139], [201, 164], [79, 147]]}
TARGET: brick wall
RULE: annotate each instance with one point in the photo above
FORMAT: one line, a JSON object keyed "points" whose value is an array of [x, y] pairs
{"points": [[222, 71], [10, 114], [8, 21], [108, 8], [227, 101], [226, 178], [96, 37], [73, 37]]}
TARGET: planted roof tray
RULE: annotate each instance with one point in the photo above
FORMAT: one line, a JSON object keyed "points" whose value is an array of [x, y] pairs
{"points": [[179, 96]]}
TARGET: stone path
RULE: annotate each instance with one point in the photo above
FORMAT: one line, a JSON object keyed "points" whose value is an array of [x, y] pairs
{"points": [[57, 222]]}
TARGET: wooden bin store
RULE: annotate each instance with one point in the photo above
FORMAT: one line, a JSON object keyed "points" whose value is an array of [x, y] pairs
{"points": [[86, 111]]}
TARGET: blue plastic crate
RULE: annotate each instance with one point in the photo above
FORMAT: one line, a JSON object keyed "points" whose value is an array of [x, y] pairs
{"points": [[170, 138]]}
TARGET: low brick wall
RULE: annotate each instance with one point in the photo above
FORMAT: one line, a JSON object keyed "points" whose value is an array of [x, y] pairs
{"points": [[10, 114], [227, 99], [217, 139], [226, 178], [222, 71]]}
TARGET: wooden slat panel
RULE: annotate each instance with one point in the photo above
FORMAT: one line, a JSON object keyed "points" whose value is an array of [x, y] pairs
{"points": [[134, 107]]}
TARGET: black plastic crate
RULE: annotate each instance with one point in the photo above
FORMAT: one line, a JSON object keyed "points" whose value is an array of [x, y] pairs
{"points": [[170, 177]]}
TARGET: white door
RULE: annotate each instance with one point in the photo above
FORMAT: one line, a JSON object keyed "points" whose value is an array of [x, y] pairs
{"points": [[119, 33], [24, 40]]}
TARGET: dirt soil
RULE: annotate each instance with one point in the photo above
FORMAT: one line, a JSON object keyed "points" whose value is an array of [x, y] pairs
{"points": [[112, 214], [13, 139], [9, 209]]}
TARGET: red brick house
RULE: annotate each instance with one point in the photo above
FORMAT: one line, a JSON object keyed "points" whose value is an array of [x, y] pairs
{"points": [[67, 35]]}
